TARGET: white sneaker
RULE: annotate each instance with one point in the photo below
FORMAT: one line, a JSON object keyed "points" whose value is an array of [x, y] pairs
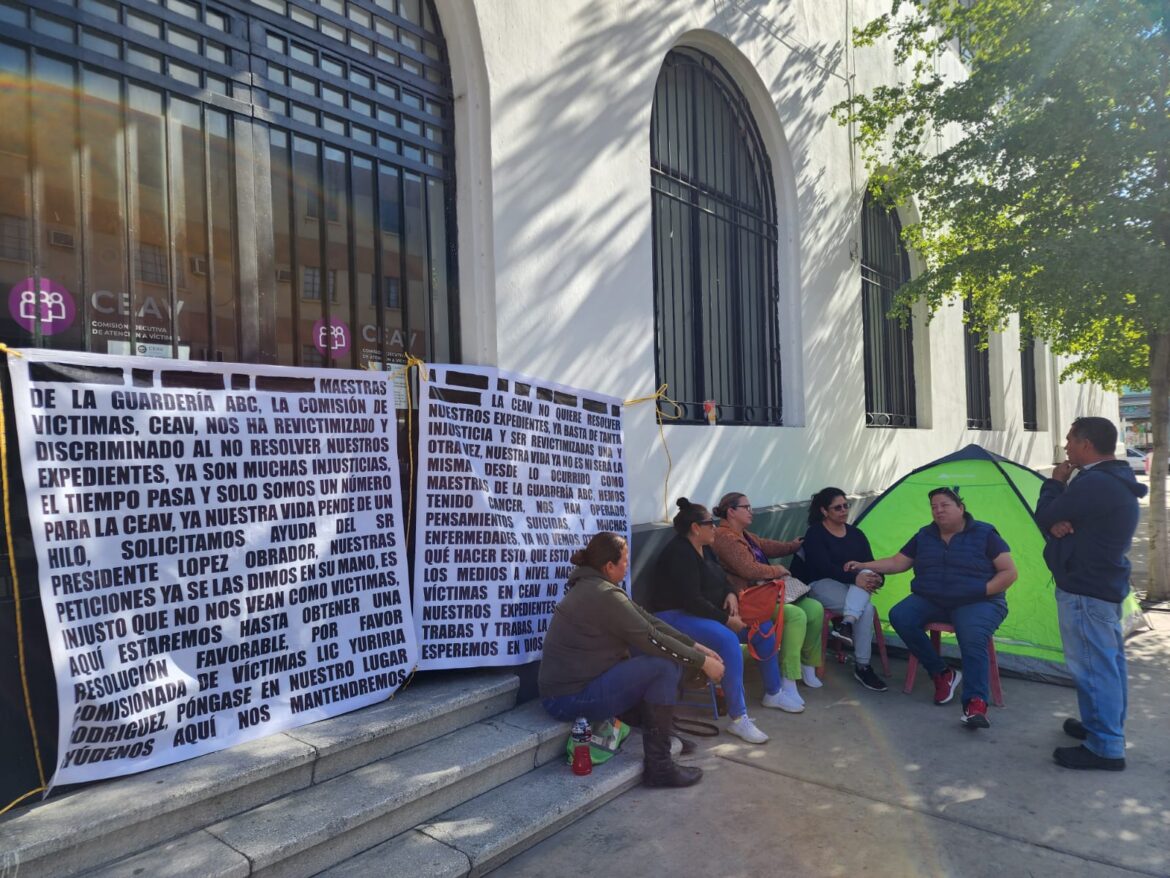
{"points": [[785, 702], [808, 676], [743, 727]]}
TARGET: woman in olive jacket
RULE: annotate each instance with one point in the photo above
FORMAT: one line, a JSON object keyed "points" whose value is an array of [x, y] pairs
{"points": [[604, 655]]}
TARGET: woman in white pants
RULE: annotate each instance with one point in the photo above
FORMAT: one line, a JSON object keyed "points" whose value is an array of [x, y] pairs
{"points": [[829, 542]]}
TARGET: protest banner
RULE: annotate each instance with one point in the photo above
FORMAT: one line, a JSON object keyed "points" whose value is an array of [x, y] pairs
{"points": [[220, 550], [515, 475]]}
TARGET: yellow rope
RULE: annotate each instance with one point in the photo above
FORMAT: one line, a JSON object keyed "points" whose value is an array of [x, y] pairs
{"points": [[417, 364], [16, 593], [660, 394]]}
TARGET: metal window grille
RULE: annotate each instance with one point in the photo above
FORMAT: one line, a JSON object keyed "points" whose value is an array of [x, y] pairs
{"points": [[14, 238], [172, 107], [716, 290], [890, 397], [1028, 381], [978, 379]]}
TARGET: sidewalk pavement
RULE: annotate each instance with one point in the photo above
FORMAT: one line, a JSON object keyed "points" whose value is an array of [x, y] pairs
{"points": [[887, 784]]}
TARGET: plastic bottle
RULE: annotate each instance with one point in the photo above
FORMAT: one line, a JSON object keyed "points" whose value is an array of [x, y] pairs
{"points": [[582, 734]]}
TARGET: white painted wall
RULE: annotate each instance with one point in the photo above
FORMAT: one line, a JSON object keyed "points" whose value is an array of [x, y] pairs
{"points": [[553, 104]]}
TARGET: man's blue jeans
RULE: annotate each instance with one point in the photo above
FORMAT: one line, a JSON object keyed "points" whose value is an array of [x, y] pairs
{"points": [[1094, 650], [725, 642], [974, 624], [628, 683]]}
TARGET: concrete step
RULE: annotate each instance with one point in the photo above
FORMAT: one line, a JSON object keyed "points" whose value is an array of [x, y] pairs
{"points": [[79, 831], [312, 829], [480, 835]]}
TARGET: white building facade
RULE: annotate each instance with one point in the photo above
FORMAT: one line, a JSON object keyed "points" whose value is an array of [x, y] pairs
{"points": [[561, 248]]}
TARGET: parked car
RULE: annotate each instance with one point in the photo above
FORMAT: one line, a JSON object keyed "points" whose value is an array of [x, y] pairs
{"points": [[1137, 460]]}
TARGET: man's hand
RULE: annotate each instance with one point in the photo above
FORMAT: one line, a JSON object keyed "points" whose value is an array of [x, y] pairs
{"points": [[731, 604], [735, 623], [1063, 471], [1061, 529]]}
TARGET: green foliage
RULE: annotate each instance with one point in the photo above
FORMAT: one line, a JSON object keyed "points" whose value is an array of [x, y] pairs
{"points": [[1050, 194]]}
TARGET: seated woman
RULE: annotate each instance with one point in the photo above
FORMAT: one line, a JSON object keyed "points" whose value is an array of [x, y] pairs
{"points": [[605, 655], [829, 542], [745, 558], [962, 567], [690, 592]]}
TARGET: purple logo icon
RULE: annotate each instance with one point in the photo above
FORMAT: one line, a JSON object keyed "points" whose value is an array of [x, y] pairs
{"points": [[331, 336], [51, 301]]}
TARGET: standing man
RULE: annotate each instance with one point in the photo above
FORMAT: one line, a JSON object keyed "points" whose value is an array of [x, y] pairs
{"points": [[1091, 522]]}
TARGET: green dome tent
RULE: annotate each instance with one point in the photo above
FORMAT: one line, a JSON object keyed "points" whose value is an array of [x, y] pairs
{"points": [[1003, 493]]}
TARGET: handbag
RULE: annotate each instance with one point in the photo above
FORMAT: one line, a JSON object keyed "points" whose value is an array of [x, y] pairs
{"points": [[795, 589], [757, 605]]}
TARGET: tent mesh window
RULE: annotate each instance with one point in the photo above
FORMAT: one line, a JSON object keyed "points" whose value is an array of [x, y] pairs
{"points": [[889, 341], [1028, 380], [978, 360], [716, 290]]}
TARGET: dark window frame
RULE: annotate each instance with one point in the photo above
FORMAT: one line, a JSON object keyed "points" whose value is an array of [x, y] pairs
{"points": [[716, 284], [398, 111], [977, 357], [1030, 399], [888, 342]]}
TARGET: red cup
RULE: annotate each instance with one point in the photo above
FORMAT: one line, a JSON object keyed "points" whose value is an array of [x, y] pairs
{"points": [[582, 761]]}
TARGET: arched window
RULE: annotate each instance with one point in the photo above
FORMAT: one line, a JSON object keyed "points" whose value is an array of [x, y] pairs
{"points": [[889, 341], [715, 268]]}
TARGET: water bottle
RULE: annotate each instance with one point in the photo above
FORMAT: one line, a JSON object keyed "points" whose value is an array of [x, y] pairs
{"points": [[582, 734]]}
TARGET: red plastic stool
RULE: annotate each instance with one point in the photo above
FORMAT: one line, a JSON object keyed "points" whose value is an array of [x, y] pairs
{"points": [[936, 629], [878, 636]]}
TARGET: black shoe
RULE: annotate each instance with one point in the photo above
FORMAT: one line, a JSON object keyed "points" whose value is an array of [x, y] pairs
{"points": [[1084, 758], [842, 631], [658, 769], [1074, 729], [865, 675]]}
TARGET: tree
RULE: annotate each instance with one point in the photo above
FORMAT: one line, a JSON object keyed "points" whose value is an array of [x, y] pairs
{"points": [[1042, 180]]}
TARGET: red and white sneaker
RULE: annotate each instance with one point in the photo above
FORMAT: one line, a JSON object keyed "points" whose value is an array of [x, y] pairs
{"points": [[975, 714], [945, 685]]}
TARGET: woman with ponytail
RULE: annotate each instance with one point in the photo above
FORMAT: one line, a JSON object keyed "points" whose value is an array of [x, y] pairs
{"points": [[691, 593], [604, 655]]}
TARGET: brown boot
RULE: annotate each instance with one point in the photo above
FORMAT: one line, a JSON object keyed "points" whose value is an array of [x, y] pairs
{"points": [[658, 769]]}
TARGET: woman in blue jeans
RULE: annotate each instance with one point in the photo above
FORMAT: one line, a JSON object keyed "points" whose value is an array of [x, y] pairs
{"points": [[962, 567], [605, 655], [691, 592]]}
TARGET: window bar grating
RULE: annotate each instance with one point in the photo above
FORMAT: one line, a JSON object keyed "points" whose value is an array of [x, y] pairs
{"points": [[890, 394], [715, 238]]}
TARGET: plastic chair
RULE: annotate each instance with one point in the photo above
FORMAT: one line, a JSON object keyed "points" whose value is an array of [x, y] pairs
{"points": [[879, 638], [936, 630]]}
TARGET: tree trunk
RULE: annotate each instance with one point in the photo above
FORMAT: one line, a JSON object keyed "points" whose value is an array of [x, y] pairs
{"points": [[1158, 587]]}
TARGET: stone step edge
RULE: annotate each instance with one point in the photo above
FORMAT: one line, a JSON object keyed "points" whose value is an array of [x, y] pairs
{"points": [[275, 765], [537, 805], [223, 850]]}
